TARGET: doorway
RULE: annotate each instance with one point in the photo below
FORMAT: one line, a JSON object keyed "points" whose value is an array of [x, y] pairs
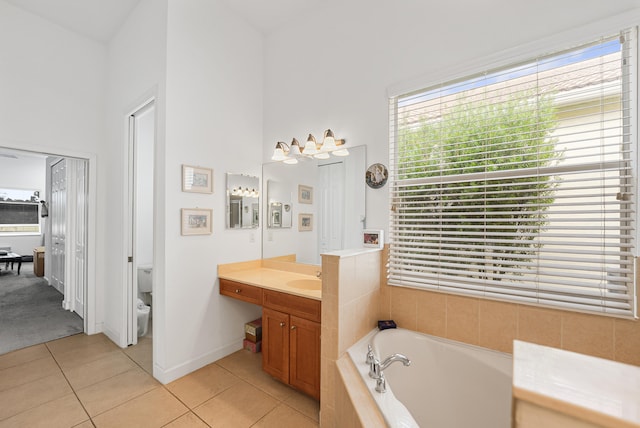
{"points": [[140, 234], [60, 288]]}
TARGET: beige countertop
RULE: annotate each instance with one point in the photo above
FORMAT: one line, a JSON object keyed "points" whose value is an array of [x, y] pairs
{"points": [[593, 389], [279, 280]]}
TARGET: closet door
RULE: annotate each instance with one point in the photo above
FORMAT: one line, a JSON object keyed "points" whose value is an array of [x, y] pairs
{"points": [[58, 217], [331, 207]]}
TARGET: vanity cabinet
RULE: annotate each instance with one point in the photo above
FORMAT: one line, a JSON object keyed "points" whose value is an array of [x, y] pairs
{"points": [[290, 334], [291, 350], [291, 340]]}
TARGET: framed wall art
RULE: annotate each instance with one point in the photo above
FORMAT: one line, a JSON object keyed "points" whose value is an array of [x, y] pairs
{"points": [[305, 222], [197, 179], [372, 238], [196, 221], [305, 194]]}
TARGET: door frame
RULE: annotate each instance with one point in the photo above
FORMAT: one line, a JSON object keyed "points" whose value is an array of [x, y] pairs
{"points": [[131, 289], [90, 323]]}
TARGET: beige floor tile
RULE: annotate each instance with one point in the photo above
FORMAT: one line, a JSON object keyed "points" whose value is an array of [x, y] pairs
{"points": [[242, 363], [21, 356], [242, 405], [75, 342], [142, 354], [116, 390], [156, 408], [27, 372], [87, 424], [83, 353], [284, 416], [32, 394], [271, 386], [63, 412], [190, 420], [112, 364], [305, 405], [248, 366], [201, 385]]}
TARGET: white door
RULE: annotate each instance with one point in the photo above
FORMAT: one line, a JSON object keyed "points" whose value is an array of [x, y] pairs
{"points": [[331, 207], [58, 216], [140, 235], [80, 237]]}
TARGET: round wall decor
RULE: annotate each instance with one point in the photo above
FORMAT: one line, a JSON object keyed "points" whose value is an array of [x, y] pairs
{"points": [[376, 176]]}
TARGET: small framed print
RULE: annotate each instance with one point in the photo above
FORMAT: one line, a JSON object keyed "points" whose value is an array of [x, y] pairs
{"points": [[305, 222], [196, 221], [305, 194], [372, 238], [197, 179]]}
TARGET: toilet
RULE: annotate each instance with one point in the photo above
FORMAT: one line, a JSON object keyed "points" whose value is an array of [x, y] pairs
{"points": [[145, 287], [143, 318]]}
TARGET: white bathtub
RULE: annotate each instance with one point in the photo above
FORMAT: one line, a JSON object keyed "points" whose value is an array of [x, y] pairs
{"points": [[448, 384]]}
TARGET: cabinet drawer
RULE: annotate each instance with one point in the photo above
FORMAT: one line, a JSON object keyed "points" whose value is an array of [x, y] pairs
{"points": [[302, 307], [241, 291]]}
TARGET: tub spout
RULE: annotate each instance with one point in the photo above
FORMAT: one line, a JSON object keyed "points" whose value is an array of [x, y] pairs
{"points": [[392, 359]]}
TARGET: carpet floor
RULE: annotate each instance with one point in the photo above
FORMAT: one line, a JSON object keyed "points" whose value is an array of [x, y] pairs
{"points": [[31, 311]]}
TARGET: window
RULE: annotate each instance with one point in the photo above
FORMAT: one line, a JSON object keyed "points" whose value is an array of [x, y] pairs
{"points": [[519, 184], [19, 212]]}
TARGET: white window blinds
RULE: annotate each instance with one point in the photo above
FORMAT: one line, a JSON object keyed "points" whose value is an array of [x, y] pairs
{"points": [[519, 184]]}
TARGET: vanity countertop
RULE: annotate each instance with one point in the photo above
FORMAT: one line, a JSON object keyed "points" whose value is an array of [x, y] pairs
{"points": [[278, 280]]}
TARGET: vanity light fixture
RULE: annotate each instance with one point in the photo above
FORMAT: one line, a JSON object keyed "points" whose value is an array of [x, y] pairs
{"points": [[290, 154]]}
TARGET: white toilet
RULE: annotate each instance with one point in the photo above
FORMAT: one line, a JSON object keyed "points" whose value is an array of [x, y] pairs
{"points": [[143, 318], [145, 287]]}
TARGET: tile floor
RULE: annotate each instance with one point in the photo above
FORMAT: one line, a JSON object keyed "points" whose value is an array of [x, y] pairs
{"points": [[87, 381]]}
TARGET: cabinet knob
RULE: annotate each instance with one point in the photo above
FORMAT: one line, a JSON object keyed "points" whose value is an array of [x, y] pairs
{"points": [[237, 291], [281, 324], [293, 327]]}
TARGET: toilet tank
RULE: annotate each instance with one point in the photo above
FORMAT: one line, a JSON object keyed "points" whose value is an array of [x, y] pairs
{"points": [[144, 278]]}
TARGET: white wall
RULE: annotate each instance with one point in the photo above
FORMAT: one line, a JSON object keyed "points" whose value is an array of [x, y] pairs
{"points": [[28, 173], [332, 68], [214, 120], [52, 83]]}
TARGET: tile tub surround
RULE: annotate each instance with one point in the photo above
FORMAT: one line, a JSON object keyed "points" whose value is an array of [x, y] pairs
{"points": [[486, 323], [350, 309]]}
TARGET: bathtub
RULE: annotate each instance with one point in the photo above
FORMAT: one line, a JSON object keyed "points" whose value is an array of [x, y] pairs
{"points": [[448, 384]]}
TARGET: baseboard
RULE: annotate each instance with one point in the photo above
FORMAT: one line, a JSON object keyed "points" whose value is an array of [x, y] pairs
{"points": [[114, 336], [176, 372]]}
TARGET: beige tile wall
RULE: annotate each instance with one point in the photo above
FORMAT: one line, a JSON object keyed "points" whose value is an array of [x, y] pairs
{"points": [[350, 309]]}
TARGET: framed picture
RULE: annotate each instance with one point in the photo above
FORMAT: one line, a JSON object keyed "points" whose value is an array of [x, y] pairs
{"points": [[376, 176], [196, 221], [305, 222], [372, 238], [305, 194], [197, 179]]}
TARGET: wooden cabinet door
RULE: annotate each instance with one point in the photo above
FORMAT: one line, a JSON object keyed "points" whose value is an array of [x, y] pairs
{"points": [[275, 344], [304, 370]]}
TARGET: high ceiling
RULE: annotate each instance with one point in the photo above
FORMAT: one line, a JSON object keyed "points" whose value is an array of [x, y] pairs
{"points": [[101, 19]]}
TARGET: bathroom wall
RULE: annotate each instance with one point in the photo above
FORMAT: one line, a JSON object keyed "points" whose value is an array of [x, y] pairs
{"points": [[214, 120]]}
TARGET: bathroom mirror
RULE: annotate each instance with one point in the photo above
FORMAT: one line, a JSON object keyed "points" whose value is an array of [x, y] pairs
{"points": [[243, 201], [280, 208], [327, 206]]}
